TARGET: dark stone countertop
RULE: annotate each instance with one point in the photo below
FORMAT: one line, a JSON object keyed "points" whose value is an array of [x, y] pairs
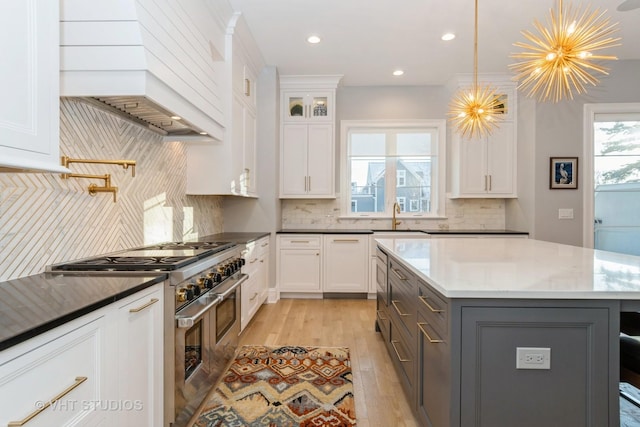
{"points": [[325, 231], [32, 305], [242, 237], [365, 231]]}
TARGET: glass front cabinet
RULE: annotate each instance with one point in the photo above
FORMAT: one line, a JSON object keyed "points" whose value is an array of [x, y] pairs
{"points": [[308, 106]]}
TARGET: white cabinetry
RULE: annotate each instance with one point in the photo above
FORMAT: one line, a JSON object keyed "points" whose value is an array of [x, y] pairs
{"points": [[346, 263], [229, 167], [62, 372], [307, 148], [487, 166], [299, 263], [112, 356], [29, 82], [140, 367], [313, 264], [255, 288]]}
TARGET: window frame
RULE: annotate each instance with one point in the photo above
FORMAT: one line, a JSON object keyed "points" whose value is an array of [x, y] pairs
{"points": [[439, 176]]}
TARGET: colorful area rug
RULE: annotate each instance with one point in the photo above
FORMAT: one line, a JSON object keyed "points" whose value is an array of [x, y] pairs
{"points": [[283, 387]]}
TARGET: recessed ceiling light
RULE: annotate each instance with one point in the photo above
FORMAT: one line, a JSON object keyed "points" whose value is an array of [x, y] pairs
{"points": [[398, 72], [203, 133], [448, 36], [176, 117], [313, 39]]}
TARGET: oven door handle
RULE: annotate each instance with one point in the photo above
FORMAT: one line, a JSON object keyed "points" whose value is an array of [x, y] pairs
{"points": [[189, 321], [232, 287]]}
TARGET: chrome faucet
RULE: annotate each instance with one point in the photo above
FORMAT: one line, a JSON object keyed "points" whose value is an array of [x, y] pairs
{"points": [[396, 209]]}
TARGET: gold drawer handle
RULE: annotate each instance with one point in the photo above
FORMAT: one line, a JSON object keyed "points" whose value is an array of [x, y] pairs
{"points": [[433, 310], [46, 404], [253, 297], [397, 273], [345, 240], [379, 316], [253, 260], [142, 307], [393, 303], [393, 344], [431, 340], [264, 244]]}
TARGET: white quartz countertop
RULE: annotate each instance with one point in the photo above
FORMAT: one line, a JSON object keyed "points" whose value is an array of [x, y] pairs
{"points": [[517, 268]]}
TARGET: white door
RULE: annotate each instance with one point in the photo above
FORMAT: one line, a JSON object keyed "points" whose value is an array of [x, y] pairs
{"points": [[293, 179], [612, 163], [320, 160], [500, 160], [473, 165]]}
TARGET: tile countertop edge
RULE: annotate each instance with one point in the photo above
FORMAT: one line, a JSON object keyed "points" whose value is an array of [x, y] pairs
{"points": [[547, 273], [54, 322]]}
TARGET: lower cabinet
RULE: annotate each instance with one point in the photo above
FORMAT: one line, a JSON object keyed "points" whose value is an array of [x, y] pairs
{"points": [[61, 378], [345, 263], [256, 288], [140, 362], [319, 264], [104, 368], [299, 263]]}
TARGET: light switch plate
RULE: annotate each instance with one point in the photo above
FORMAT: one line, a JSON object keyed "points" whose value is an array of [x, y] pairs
{"points": [[565, 213]]}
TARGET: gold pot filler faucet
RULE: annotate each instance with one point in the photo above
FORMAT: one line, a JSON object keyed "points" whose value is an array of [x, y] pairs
{"points": [[93, 188]]}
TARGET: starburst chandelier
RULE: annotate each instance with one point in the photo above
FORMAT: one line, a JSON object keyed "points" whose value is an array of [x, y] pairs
{"points": [[476, 111], [560, 60]]}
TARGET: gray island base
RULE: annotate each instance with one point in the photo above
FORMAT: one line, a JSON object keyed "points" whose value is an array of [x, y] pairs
{"points": [[505, 332]]}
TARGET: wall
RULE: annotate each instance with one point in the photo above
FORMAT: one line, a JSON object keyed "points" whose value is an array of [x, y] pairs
{"points": [[558, 132], [45, 219], [388, 103]]}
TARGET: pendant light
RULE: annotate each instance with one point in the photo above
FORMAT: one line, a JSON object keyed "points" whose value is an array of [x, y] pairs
{"points": [[476, 111], [559, 60]]}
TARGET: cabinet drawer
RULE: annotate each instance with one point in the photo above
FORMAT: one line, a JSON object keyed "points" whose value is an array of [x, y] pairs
{"points": [[262, 246], [300, 241], [67, 374], [403, 357], [402, 290], [434, 308], [383, 320]]}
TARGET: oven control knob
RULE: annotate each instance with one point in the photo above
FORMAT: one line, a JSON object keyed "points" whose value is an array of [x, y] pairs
{"points": [[242, 261], [192, 291], [181, 294], [227, 270], [238, 263], [208, 283], [202, 283], [216, 277]]}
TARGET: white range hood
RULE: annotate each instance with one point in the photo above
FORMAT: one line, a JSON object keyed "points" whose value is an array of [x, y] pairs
{"points": [[148, 61]]}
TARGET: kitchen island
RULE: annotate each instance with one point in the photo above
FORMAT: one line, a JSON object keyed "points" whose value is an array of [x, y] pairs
{"points": [[503, 332]]}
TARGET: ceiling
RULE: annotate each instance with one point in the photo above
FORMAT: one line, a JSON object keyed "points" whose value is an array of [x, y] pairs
{"points": [[365, 40]]}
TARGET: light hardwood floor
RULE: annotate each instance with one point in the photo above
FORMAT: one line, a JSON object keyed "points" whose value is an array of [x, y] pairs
{"points": [[380, 400]]}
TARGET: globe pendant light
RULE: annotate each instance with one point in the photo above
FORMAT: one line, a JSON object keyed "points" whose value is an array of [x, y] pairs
{"points": [[476, 111], [559, 60]]}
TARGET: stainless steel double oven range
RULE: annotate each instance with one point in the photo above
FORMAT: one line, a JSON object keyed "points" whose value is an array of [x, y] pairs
{"points": [[202, 312]]}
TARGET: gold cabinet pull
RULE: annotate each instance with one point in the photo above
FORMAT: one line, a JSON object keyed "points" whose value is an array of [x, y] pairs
{"points": [[253, 260], [424, 332], [253, 297], [429, 306], [299, 241], [143, 306], [265, 244], [345, 240], [393, 303], [379, 312], [397, 273], [247, 87], [393, 344], [46, 404]]}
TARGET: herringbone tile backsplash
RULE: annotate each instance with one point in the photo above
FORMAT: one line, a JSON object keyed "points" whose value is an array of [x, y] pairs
{"points": [[45, 219]]}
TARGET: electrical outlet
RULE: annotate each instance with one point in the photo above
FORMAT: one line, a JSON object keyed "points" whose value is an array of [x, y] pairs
{"points": [[533, 358]]}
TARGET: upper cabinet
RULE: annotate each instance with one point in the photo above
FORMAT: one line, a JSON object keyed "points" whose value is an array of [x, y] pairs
{"points": [[307, 136], [234, 159], [29, 111], [487, 166], [308, 106]]}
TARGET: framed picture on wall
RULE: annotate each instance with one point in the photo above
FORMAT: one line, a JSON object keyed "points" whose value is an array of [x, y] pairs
{"points": [[563, 173]]}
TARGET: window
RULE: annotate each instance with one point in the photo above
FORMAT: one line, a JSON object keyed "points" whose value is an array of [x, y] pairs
{"points": [[385, 162], [401, 177]]}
